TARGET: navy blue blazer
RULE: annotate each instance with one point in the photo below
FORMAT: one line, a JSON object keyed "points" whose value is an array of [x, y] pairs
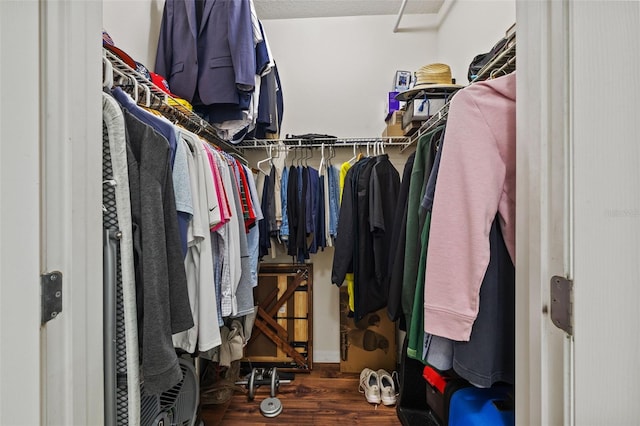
{"points": [[217, 58]]}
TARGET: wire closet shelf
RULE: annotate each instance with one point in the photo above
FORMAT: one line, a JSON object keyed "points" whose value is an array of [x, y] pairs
{"points": [[504, 63], [323, 142]]}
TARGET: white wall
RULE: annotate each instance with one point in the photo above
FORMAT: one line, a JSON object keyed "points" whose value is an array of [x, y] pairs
{"points": [[134, 27], [472, 27], [336, 72]]}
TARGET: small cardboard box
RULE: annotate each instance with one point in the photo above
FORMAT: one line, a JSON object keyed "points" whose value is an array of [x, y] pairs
{"points": [[369, 343], [394, 125], [391, 130], [411, 128], [395, 118]]}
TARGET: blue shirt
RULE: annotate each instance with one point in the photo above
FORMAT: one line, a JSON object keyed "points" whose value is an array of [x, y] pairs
{"points": [[284, 182], [334, 199]]}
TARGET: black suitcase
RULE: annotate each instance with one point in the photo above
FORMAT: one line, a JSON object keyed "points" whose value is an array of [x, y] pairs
{"points": [[440, 387], [412, 408]]}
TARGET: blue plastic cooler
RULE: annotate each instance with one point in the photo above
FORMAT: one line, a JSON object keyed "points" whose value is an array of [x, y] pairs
{"points": [[482, 406]]}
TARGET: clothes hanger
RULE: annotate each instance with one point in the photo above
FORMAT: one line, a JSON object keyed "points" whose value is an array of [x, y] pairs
{"points": [[309, 157], [107, 72], [322, 161], [353, 159], [147, 95], [136, 95], [493, 73], [332, 153], [259, 164]]}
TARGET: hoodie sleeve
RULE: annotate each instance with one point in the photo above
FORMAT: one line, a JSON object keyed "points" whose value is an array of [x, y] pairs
{"points": [[470, 188]]}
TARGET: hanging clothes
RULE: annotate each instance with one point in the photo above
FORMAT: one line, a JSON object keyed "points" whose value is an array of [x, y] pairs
{"points": [[180, 175], [199, 260], [284, 227], [333, 192], [425, 156], [489, 355], [113, 134], [268, 209], [397, 248], [253, 236], [415, 345], [383, 201], [362, 236], [213, 63], [160, 273], [476, 180]]}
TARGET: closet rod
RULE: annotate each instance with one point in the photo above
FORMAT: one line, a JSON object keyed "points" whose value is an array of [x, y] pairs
{"points": [[179, 114], [319, 142]]}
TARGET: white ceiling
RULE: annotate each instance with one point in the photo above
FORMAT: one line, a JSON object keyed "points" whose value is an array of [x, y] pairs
{"points": [[291, 9]]}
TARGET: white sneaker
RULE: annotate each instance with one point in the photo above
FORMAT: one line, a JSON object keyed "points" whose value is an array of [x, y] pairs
{"points": [[387, 387], [370, 385]]}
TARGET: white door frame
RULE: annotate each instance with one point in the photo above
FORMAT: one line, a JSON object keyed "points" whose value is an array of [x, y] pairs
{"points": [[71, 160], [578, 210], [544, 391], [50, 211], [19, 215]]}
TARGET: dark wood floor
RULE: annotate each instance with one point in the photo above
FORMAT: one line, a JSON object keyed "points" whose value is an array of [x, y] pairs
{"points": [[323, 397]]}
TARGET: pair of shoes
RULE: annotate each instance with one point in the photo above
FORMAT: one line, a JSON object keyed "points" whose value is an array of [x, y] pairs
{"points": [[370, 386], [387, 388], [378, 386]]}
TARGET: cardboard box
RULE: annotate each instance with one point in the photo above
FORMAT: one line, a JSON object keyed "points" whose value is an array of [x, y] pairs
{"points": [[394, 125], [411, 128], [370, 343], [391, 130], [395, 118]]}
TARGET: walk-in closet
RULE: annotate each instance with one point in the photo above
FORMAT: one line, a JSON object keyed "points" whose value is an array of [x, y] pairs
{"points": [[398, 212]]}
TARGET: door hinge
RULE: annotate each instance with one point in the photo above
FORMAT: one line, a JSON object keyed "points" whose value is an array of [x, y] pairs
{"points": [[562, 303], [51, 287]]}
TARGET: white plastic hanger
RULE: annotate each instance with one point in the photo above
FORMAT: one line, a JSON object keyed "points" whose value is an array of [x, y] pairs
{"points": [[107, 72], [268, 159], [353, 159], [321, 157], [147, 95]]}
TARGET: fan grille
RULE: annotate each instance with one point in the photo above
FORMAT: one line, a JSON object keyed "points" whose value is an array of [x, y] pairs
{"points": [[110, 221], [178, 405]]}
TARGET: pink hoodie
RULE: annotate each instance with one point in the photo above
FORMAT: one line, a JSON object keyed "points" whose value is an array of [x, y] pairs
{"points": [[477, 178]]}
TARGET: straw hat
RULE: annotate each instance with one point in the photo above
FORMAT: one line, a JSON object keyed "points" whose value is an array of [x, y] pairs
{"points": [[431, 78]]}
